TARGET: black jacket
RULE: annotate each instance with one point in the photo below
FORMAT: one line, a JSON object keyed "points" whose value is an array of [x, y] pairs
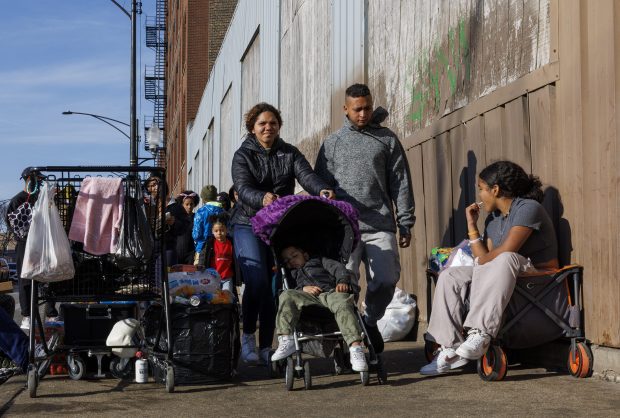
{"points": [[256, 171], [322, 272]]}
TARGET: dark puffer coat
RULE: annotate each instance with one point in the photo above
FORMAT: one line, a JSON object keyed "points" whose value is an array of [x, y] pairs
{"points": [[322, 272], [256, 171]]}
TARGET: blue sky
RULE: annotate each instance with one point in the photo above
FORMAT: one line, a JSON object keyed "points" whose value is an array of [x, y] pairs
{"points": [[66, 55]]}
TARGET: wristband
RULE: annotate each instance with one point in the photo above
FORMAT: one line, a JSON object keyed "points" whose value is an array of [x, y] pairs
{"points": [[470, 233], [473, 241]]}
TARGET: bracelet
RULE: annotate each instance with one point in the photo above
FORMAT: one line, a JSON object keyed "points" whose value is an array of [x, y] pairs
{"points": [[473, 241], [470, 233]]}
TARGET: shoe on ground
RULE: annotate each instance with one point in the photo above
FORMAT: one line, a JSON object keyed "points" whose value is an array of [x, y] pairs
{"points": [[25, 325], [444, 361], [375, 337], [248, 348], [41, 356], [54, 320], [358, 359], [475, 346], [263, 355], [286, 347]]}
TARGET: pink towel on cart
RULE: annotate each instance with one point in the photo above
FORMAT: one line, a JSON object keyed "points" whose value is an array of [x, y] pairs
{"points": [[98, 214]]}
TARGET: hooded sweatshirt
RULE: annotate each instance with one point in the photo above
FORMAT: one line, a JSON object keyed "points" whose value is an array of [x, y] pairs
{"points": [[368, 168], [257, 170]]}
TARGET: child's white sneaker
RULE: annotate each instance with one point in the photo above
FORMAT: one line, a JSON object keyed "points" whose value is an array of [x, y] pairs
{"points": [[248, 348], [286, 347], [358, 359]]}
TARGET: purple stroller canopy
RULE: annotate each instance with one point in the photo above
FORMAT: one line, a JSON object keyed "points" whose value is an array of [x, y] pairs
{"points": [[328, 227]]}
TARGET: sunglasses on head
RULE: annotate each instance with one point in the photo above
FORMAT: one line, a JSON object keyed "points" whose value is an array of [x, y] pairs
{"points": [[184, 195]]}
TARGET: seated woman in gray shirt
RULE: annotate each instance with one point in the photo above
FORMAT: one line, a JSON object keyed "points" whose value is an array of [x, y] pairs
{"points": [[518, 237]]}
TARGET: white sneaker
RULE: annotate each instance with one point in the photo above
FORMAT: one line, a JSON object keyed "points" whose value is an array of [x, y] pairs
{"points": [[263, 355], [286, 347], [248, 348], [25, 325], [358, 359], [444, 361], [476, 344]]}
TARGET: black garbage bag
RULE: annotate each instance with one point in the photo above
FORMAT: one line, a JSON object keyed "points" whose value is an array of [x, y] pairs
{"points": [[135, 244], [205, 341]]}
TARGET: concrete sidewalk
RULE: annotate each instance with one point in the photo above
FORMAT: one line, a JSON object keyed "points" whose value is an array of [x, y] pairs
{"points": [[524, 392]]}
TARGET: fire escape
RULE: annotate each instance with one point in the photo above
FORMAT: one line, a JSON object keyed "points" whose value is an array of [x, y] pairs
{"points": [[154, 76]]}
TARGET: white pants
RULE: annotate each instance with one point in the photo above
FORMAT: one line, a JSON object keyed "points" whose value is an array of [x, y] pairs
{"points": [[490, 287]]}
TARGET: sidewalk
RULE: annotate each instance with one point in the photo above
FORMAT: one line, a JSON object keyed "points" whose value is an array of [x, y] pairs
{"points": [[524, 392]]}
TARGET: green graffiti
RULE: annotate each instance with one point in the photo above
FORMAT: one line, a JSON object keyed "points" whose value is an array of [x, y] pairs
{"points": [[443, 61]]}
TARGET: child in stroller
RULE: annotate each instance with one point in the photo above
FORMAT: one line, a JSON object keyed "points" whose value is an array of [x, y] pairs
{"points": [[324, 282]]}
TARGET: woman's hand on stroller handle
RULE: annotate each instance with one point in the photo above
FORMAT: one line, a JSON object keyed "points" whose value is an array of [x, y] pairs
{"points": [[327, 194]]}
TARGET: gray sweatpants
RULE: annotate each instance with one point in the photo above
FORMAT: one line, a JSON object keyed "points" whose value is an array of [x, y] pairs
{"points": [[379, 252], [490, 288]]}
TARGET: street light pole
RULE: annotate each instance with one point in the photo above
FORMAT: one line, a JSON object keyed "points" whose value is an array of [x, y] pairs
{"points": [[133, 130], [103, 119]]}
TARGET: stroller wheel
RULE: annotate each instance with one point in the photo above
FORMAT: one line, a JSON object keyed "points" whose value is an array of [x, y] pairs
{"points": [[493, 365], [118, 371], [169, 379], [307, 375], [289, 378], [32, 382], [338, 361], [580, 361], [365, 378]]}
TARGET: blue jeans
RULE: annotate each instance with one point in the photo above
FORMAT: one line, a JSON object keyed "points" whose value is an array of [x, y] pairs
{"points": [[13, 341], [254, 259]]}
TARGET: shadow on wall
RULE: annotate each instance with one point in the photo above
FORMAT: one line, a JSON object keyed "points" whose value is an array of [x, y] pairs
{"points": [[457, 226], [552, 202]]}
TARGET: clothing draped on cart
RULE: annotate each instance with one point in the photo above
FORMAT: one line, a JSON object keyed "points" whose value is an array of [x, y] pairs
{"points": [[98, 214], [13, 341]]}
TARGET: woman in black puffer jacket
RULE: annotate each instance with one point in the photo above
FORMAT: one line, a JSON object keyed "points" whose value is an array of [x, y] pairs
{"points": [[263, 169]]}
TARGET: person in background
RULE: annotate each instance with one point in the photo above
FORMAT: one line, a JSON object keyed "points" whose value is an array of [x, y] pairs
{"points": [[366, 165], [18, 219], [263, 169], [518, 237], [202, 227], [224, 199], [218, 251], [182, 213]]}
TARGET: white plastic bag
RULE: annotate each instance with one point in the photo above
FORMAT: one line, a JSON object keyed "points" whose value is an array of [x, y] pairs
{"points": [[47, 257], [399, 317], [125, 332]]}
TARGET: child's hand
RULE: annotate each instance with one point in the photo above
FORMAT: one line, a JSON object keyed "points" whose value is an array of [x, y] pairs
{"points": [[342, 288], [313, 290]]}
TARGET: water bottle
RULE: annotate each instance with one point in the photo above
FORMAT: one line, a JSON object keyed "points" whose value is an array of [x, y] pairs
{"points": [[142, 368]]}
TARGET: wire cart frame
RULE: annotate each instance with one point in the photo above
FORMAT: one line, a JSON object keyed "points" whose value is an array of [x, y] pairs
{"points": [[97, 278]]}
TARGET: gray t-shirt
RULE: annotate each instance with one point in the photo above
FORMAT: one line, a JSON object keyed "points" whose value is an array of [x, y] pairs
{"points": [[541, 246]]}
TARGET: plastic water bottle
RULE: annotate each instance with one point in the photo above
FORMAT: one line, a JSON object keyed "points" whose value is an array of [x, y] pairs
{"points": [[142, 368]]}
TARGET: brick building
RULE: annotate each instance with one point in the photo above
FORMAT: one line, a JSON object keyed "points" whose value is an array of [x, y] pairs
{"points": [[195, 30]]}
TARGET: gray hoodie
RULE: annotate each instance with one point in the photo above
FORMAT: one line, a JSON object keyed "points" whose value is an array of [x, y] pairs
{"points": [[368, 168]]}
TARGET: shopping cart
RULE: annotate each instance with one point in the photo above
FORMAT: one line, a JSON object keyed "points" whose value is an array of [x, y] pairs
{"points": [[99, 279]]}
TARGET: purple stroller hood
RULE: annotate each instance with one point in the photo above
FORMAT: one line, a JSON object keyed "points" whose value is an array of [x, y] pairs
{"points": [[310, 213]]}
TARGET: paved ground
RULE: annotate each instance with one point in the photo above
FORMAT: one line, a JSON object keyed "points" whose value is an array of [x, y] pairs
{"points": [[525, 391]]}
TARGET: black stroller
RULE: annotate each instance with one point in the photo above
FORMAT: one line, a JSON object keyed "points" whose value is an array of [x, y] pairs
{"points": [[326, 228]]}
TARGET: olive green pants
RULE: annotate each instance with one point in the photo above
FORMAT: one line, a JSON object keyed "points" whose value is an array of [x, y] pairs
{"points": [[342, 305]]}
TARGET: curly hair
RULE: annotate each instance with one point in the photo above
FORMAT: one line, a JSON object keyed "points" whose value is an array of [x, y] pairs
{"points": [[252, 116], [512, 180]]}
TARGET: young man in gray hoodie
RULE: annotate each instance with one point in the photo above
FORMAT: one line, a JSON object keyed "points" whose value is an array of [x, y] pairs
{"points": [[366, 165]]}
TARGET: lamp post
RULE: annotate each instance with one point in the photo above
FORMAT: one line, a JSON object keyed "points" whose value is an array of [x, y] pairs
{"points": [[103, 119], [133, 127]]}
